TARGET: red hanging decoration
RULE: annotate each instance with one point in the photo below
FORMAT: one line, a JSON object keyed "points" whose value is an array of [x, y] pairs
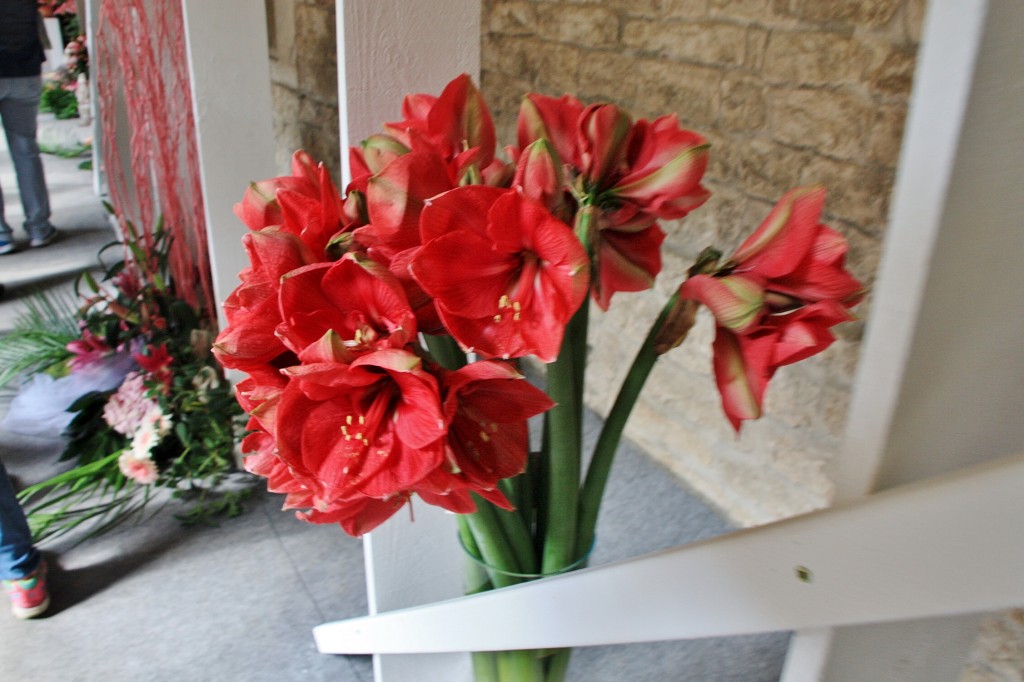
{"points": [[143, 82]]}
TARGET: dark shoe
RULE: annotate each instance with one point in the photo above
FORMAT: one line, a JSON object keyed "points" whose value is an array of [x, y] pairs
{"points": [[6, 245], [47, 238]]}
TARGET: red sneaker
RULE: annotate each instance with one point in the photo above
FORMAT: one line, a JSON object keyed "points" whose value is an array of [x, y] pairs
{"points": [[28, 595]]}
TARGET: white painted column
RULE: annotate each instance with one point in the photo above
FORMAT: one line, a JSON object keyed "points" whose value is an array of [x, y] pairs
{"points": [[230, 78], [941, 375], [387, 49], [89, 12]]}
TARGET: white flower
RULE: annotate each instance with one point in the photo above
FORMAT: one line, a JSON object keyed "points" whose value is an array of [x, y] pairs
{"points": [[205, 381], [140, 469], [145, 438], [157, 419]]}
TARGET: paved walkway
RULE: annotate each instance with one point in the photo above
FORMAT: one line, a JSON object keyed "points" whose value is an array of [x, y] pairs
{"points": [[161, 603]]}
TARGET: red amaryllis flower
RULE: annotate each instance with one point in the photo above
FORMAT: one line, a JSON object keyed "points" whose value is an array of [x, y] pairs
{"points": [[630, 174], [505, 274], [356, 516], [636, 173], [249, 340], [306, 204], [775, 300], [372, 427], [555, 120], [486, 405], [355, 298], [456, 126]]}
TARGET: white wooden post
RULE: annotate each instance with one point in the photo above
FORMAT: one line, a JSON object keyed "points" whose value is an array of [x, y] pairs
{"points": [[229, 74], [386, 49], [941, 375]]}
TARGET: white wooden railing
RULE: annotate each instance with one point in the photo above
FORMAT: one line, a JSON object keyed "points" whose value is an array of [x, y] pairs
{"points": [[910, 552]]}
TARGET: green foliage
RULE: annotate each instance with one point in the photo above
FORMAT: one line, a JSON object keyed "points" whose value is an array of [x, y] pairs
{"points": [[39, 338], [188, 410], [56, 100]]}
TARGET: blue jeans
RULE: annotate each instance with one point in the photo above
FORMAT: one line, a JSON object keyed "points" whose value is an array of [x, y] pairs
{"points": [[19, 109], [18, 557]]}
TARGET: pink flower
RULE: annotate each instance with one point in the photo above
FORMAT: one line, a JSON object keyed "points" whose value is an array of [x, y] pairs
{"points": [[139, 469], [87, 350], [126, 409]]}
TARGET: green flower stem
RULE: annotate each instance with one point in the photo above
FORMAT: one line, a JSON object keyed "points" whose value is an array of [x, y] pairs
{"points": [[445, 351], [611, 433], [520, 666], [485, 666], [517, 533], [495, 549], [563, 456], [558, 665]]}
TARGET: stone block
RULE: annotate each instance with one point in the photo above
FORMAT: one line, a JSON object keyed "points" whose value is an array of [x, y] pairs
{"points": [[317, 63], [761, 167], [582, 25], [885, 134], [512, 18], [744, 104], [626, 7], [831, 122], [701, 42], [893, 76], [913, 20], [684, 9], [860, 13], [688, 90], [856, 193], [798, 58], [749, 10], [550, 68], [608, 77], [503, 95], [756, 44], [864, 252]]}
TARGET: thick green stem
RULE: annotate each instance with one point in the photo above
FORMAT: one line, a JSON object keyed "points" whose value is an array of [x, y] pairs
{"points": [[495, 548], [445, 351], [485, 666], [557, 665], [562, 459], [611, 433], [520, 666]]}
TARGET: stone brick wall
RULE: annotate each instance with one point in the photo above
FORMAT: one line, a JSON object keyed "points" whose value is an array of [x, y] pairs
{"points": [[788, 92], [304, 79]]}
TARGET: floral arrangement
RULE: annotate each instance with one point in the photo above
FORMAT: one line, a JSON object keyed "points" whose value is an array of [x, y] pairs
{"points": [[59, 94], [146, 404], [53, 8], [381, 330]]}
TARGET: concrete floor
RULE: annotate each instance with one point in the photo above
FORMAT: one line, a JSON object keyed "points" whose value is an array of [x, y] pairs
{"points": [[158, 602]]}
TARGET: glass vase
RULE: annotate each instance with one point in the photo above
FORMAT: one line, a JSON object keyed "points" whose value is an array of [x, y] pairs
{"points": [[524, 665]]}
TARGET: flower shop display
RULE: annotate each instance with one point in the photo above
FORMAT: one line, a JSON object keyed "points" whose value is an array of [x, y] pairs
{"points": [[125, 372], [381, 330]]}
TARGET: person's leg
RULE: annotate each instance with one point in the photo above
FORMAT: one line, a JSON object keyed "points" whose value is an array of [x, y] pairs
{"points": [[22, 567], [20, 111], [6, 236], [18, 556]]}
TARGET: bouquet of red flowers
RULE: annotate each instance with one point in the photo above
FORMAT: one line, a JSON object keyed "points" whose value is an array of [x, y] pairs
{"points": [[381, 329]]}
